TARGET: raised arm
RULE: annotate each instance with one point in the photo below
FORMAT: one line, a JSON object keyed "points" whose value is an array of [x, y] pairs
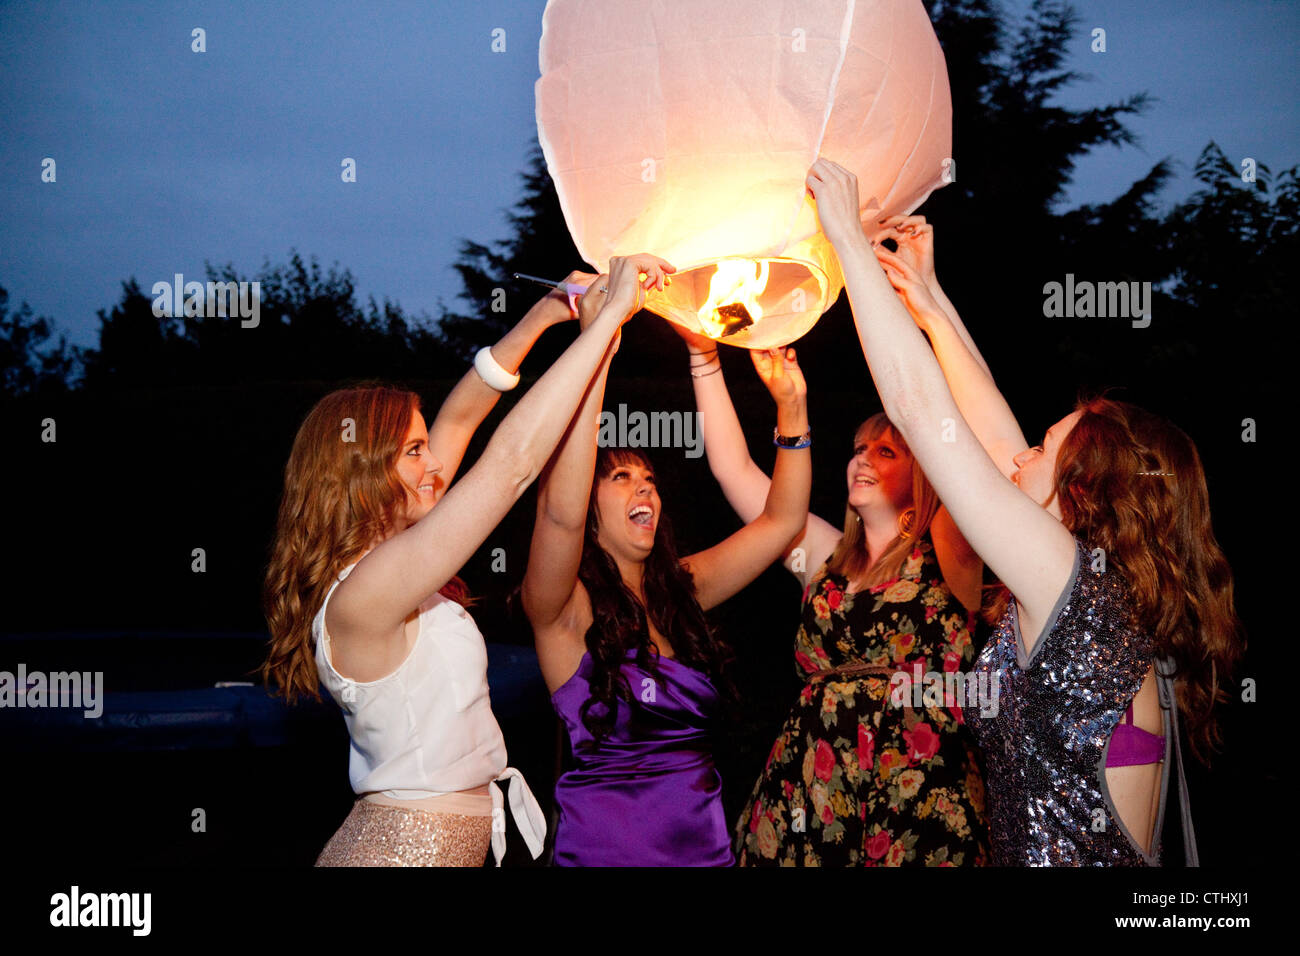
{"points": [[727, 567], [915, 239], [1025, 546], [472, 399], [391, 581], [744, 484], [968, 377], [563, 497]]}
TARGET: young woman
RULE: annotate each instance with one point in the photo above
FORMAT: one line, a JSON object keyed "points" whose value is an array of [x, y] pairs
{"points": [[860, 776], [1102, 537], [362, 592], [623, 644]]}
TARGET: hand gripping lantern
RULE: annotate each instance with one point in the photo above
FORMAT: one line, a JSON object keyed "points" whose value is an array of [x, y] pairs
{"points": [[685, 128]]}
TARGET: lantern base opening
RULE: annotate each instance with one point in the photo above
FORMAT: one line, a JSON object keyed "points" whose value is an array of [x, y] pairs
{"points": [[796, 293]]}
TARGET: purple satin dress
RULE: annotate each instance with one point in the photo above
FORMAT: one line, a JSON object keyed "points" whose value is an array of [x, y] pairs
{"points": [[649, 795]]}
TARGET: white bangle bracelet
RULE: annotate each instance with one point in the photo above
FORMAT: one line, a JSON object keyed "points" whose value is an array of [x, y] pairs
{"points": [[493, 375]]}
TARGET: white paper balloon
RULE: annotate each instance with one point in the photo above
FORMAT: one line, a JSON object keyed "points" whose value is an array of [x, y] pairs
{"points": [[685, 128]]}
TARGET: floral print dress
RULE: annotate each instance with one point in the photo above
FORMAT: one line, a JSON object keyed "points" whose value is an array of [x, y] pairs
{"points": [[869, 770]]}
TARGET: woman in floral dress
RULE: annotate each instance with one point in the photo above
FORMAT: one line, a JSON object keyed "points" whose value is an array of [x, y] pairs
{"points": [[880, 781], [868, 770]]}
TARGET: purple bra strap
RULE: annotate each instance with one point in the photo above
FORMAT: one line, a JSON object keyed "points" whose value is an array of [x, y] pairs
{"points": [[1132, 746]]}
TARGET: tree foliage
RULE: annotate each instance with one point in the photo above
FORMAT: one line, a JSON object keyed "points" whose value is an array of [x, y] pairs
{"points": [[33, 357]]}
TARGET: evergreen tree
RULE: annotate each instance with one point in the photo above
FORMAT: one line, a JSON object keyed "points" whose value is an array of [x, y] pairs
{"points": [[539, 245]]}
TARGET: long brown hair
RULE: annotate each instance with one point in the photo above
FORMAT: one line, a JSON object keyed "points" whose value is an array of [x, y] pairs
{"points": [[342, 493], [1131, 483], [850, 557], [619, 619]]}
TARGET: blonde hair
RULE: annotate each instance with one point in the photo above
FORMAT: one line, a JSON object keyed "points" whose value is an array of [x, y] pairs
{"points": [[850, 558], [341, 494]]}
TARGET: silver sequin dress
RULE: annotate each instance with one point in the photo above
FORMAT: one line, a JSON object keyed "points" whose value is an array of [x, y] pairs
{"points": [[1045, 749]]}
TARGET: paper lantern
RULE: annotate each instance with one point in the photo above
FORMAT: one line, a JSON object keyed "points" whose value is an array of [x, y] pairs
{"points": [[685, 128]]}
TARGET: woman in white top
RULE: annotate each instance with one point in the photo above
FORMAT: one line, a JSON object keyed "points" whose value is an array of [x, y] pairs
{"points": [[361, 593]]}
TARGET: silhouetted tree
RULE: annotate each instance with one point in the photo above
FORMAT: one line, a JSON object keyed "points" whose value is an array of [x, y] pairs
{"points": [[32, 358], [309, 328]]}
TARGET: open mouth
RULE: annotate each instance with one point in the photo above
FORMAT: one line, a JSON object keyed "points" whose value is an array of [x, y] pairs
{"points": [[641, 516], [865, 481]]}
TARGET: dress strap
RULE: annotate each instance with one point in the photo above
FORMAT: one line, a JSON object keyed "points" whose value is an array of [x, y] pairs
{"points": [[523, 807], [1165, 669]]}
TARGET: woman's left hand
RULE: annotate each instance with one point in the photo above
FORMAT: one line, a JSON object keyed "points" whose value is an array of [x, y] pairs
{"points": [[593, 300], [915, 238], [780, 372]]}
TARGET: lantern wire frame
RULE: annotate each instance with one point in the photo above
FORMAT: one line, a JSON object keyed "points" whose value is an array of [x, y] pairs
{"points": [[799, 289]]}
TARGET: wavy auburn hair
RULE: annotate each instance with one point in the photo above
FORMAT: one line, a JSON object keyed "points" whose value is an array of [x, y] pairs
{"points": [[850, 556], [620, 619], [342, 493], [1131, 482]]}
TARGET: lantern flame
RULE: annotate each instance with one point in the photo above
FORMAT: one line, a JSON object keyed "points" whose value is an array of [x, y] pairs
{"points": [[732, 304]]}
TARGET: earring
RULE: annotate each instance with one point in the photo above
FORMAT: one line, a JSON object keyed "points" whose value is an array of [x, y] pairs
{"points": [[906, 522]]}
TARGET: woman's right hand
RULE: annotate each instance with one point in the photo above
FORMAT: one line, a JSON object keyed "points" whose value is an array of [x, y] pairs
{"points": [[780, 372], [835, 190], [626, 287], [909, 285]]}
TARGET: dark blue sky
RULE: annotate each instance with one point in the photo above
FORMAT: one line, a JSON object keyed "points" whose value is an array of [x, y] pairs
{"points": [[169, 158]]}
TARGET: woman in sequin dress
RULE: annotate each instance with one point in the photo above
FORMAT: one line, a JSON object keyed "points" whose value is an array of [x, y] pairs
{"points": [[859, 776], [362, 594], [1102, 538]]}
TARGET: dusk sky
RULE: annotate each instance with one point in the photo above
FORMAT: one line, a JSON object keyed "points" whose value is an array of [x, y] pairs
{"points": [[168, 158]]}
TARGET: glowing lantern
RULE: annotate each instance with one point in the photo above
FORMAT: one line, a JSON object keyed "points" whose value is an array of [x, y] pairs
{"points": [[685, 128]]}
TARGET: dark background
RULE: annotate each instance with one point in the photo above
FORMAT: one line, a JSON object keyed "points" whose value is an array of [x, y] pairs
{"points": [[172, 435]]}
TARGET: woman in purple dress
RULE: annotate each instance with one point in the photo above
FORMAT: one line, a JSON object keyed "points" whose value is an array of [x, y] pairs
{"points": [[622, 641]]}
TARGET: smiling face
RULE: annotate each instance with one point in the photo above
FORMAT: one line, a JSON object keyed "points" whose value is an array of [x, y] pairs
{"points": [[880, 472], [627, 510], [418, 470], [1036, 474]]}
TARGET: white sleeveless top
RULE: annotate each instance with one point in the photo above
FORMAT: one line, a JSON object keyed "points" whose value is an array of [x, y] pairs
{"points": [[427, 728]]}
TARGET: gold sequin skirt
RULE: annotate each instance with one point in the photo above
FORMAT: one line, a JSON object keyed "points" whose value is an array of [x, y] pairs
{"points": [[376, 835]]}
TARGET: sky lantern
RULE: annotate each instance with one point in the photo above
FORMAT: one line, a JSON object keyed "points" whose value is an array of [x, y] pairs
{"points": [[685, 128]]}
